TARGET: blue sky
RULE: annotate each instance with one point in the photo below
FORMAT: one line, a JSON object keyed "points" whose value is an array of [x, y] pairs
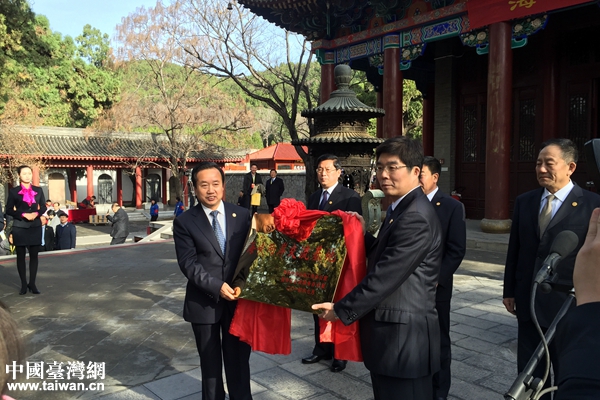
{"points": [[70, 16]]}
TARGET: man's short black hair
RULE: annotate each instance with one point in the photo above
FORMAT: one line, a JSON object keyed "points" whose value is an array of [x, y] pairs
{"points": [[61, 213], [51, 213], [567, 147], [332, 157], [206, 165], [434, 165], [409, 151], [274, 170]]}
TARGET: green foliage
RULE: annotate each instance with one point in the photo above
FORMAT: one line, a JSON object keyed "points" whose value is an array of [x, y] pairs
{"points": [[51, 80]]}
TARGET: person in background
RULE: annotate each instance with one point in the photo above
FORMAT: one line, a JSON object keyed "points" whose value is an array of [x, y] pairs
{"points": [[153, 210], [251, 179], [11, 348], [454, 230], [53, 220], [274, 188], [66, 233], [88, 202], [49, 206], [47, 235], [120, 224], [179, 207], [25, 204]]}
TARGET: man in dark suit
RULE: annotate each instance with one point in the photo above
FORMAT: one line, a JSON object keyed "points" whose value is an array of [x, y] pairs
{"points": [[251, 180], [209, 239], [332, 196], [454, 231], [120, 224], [578, 333], [540, 215], [274, 188], [66, 233], [395, 302]]}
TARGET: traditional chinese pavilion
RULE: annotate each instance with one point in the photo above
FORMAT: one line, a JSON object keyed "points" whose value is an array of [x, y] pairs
{"points": [[498, 78]]}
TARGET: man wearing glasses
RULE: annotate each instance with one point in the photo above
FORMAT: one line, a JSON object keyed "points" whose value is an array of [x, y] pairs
{"points": [[330, 197], [395, 302]]}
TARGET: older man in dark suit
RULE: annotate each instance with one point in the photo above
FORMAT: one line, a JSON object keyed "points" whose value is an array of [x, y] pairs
{"points": [[251, 180], [332, 196], [274, 188], [120, 224], [395, 302], [452, 218], [540, 215], [209, 239]]}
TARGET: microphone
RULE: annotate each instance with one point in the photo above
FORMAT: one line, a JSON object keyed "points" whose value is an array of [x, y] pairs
{"points": [[564, 243]]}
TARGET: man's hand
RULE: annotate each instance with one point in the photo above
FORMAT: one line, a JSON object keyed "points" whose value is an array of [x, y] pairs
{"points": [[509, 303], [227, 292], [328, 314], [237, 291], [360, 218], [586, 276]]}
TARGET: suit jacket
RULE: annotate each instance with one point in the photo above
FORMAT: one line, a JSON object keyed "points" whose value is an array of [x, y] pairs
{"points": [[274, 190], [395, 302], [65, 236], [577, 338], [120, 223], [48, 238], [1, 216], [341, 198], [204, 265], [15, 207], [247, 183], [454, 232], [527, 251]]}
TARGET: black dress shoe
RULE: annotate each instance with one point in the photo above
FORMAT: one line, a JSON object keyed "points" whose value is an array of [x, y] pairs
{"points": [[338, 365], [23, 290], [314, 359], [33, 289]]}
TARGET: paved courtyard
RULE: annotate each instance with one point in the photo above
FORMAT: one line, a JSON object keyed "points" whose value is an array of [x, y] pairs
{"points": [[122, 306]]}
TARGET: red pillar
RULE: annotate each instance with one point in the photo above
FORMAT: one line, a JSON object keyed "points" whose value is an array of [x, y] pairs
{"points": [[73, 184], [428, 121], [380, 119], [392, 87], [499, 117], [120, 186], [35, 175], [327, 82], [164, 186], [138, 187], [90, 180]]}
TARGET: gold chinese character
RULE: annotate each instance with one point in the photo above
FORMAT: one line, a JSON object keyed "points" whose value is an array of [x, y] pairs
{"points": [[521, 3]]}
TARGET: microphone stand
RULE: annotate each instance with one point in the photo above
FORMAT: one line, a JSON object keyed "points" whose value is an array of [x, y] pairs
{"points": [[526, 386]]}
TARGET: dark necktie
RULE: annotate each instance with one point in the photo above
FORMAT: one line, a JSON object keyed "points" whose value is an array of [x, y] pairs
{"points": [[218, 231], [324, 201]]}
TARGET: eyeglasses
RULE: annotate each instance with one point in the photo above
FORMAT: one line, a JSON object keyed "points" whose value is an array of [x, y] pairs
{"points": [[390, 169], [326, 170]]}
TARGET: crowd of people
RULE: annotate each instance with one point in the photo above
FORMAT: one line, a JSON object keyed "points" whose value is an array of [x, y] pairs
{"points": [[402, 304]]}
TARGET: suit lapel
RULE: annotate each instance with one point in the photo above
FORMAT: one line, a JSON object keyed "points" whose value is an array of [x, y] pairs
{"points": [[573, 200], [334, 195], [230, 221], [205, 227]]}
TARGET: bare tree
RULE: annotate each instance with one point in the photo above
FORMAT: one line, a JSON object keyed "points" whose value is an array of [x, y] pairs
{"points": [[172, 98], [269, 64]]}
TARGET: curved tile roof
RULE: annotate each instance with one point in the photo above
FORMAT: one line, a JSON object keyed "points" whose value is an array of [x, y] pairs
{"points": [[82, 144]]}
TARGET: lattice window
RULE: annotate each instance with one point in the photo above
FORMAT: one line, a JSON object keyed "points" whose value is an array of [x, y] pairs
{"points": [[578, 130], [527, 130], [470, 133], [483, 130]]}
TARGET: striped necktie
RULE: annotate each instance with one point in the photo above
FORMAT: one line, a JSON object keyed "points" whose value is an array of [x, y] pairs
{"points": [[218, 231]]}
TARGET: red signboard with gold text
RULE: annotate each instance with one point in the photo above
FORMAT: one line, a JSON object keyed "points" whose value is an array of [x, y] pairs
{"points": [[486, 12]]}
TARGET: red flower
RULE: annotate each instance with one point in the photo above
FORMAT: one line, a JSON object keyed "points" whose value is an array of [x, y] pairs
{"points": [[290, 219]]}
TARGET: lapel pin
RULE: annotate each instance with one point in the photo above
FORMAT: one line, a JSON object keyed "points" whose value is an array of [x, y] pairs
{"points": [[391, 220], [330, 202], [234, 215], [574, 204], [438, 204]]}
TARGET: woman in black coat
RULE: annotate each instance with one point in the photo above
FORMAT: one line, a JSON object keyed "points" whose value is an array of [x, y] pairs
{"points": [[26, 203]]}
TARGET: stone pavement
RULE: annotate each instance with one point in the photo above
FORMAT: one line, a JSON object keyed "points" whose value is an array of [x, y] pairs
{"points": [[122, 305]]}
